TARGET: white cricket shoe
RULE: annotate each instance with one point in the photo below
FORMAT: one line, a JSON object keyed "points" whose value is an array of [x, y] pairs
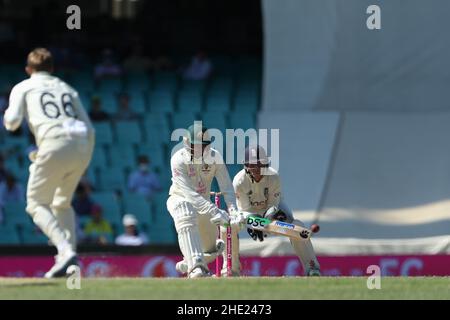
{"points": [[181, 267], [62, 262], [199, 272]]}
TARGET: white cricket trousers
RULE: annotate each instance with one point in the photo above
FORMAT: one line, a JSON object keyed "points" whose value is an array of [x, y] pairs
{"points": [[54, 176]]}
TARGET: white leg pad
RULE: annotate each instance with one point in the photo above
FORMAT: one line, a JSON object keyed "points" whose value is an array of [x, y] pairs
{"points": [[188, 235], [305, 251]]}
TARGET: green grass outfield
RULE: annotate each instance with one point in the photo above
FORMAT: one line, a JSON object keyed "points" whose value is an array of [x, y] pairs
{"points": [[296, 288]]}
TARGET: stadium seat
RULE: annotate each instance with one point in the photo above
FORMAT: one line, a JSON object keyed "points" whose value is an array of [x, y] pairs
{"points": [[31, 234], [165, 81], [241, 120], [123, 156], [161, 101], [215, 120], [112, 179], [110, 85], [103, 133], [128, 132], [155, 154], [189, 102], [139, 206], [111, 208], [218, 102], [183, 119], [193, 87], [137, 81], [15, 214], [109, 102], [82, 81], [161, 215], [162, 234], [99, 159], [246, 101], [8, 235], [137, 101]]}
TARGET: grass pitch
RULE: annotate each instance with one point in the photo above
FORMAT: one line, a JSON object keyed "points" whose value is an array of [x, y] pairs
{"points": [[295, 288]]}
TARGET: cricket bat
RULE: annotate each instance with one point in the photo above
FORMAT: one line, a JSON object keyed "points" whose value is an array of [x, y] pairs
{"points": [[279, 227]]}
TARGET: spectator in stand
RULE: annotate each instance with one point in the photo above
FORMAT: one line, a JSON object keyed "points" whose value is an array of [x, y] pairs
{"points": [[143, 181], [3, 171], [97, 114], [10, 191], [124, 112], [137, 61], [82, 202], [98, 230], [200, 67], [132, 236], [107, 66]]}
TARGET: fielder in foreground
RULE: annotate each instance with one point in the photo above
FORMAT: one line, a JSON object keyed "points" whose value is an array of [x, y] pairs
{"points": [[65, 139], [258, 191], [195, 216]]}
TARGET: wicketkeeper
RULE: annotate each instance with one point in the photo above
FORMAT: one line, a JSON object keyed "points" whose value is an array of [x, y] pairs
{"points": [[196, 217], [258, 191]]}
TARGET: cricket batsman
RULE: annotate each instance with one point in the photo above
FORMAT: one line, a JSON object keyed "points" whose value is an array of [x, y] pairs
{"points": [[65, 139], [196, 217], [258, 191]]}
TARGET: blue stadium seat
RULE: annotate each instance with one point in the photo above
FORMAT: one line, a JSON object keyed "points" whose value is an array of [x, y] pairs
{"points": [[99, 159], [112, 179], [155, 134], [137, 81], [183, 119], [8, 235], [82, 81], [111, 209], [221, 85], [162, 234], [161, 215], [218, 102], [246, 101], [242, 120], [155, 154], [161, 101], [31, 234], [193, 87], [109, 102], [110, 85], [137, 101], [15, 214], [165, 81], [189, 102], [139, 206], [103, 133], [128, 132], [123, 156], [215, 120]]}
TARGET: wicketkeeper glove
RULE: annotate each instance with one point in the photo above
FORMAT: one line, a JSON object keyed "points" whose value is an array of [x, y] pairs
{"points": [[256, 234], [273, 213]]}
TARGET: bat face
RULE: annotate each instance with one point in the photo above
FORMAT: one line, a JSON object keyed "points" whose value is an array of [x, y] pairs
{"points": [[278, 227]]}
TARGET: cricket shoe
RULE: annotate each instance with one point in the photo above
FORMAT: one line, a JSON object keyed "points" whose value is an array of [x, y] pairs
{"points": [[199, 272], [62, 262], [233, 273], [181, 267]]}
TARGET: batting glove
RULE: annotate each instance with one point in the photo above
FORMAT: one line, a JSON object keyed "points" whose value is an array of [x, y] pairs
{"points": [[221, 218]]}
